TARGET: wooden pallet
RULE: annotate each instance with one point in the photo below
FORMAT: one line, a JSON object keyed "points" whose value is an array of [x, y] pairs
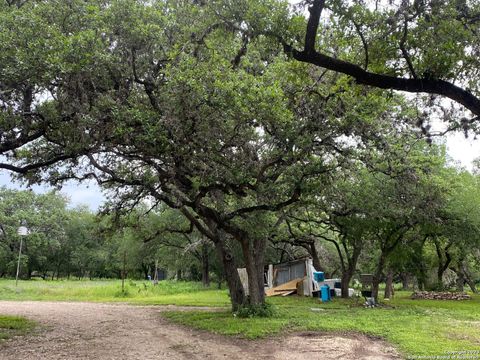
{"points": [[284, 289]]}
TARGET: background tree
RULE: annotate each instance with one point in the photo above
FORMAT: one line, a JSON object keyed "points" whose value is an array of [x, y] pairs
{"points": [[45, 216]]}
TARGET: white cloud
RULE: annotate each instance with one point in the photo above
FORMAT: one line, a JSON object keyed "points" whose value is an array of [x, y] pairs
{"points": [[463, 150]]}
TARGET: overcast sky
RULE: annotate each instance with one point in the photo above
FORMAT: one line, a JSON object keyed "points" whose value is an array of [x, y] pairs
{"points": [[463, 150], [79, 194]]}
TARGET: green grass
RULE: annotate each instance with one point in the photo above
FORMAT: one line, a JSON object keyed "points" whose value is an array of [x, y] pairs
{"points": [[14, 325], [136, 292], [415, 327]]}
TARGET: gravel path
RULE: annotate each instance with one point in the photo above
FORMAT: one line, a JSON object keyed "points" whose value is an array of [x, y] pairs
{"points": [[122, 332]]}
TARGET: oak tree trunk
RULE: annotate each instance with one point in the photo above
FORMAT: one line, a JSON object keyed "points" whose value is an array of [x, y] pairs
{"points": [[349, 270], [237, 294], [460, 281], [253, 254], [315, 259], [378, 275], [405, 280], [471, 284], [345, 282], [205, 266], [466, 277], [389, 292], [442, 265]]}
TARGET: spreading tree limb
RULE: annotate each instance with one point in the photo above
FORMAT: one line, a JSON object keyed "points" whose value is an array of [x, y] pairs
{"points": [[364, 77]]}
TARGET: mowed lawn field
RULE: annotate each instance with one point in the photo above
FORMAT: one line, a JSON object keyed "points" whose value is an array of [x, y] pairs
{"points": [[415, 327]]}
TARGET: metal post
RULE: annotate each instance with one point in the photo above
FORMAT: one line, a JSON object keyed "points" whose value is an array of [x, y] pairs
{"points": [[18, 264], [22, 231]]}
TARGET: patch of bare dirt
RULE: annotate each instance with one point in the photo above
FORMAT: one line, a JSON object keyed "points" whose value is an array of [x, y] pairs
{"points": [[119, 331]]}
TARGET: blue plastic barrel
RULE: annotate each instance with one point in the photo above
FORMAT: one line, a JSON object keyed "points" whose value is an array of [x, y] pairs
{"points": [[318, 276], [325, 293]]}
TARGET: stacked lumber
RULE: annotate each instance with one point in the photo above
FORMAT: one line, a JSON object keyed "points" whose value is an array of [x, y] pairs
{"points": [[433, 295], [285, 289]]}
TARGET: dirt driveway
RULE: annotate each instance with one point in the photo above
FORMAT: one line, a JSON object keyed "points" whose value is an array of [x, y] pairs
{"points": [[117, 332]]}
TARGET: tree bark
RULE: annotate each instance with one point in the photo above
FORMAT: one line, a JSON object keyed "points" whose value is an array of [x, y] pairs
{"points": [[378, 275], [471, 284], [405, 280], [346, 278], [219, 239], [315, 259], [421, 276], [389, 292], [349, 270], [465, 273], [253, 253], [442, 265], [260, 246], [235, 287], [460, 281], [205, 266]]}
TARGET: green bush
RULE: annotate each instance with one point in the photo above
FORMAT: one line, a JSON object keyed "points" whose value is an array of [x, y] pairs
{"points": [[250, 311], [122, 294]]}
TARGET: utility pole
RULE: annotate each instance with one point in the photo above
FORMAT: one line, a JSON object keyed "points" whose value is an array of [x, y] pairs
{"points": [[22, 231], [124, 270]]}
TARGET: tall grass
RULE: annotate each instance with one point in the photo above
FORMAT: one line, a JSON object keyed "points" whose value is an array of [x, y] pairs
{"points": [[142, 292]]}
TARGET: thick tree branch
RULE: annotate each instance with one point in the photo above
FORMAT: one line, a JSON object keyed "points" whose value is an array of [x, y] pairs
{"points": [[315, 12], [37, 165], [430, 86], [265, 207], [420, 85], [169, 230], [21, 140], [241, 52], [198, 224]]}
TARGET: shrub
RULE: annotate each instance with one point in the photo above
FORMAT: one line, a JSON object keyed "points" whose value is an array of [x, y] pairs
{"points": [[250, 311], [122, 294]]}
